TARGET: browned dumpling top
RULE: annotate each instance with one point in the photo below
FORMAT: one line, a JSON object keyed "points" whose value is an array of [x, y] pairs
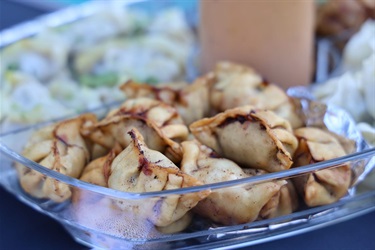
{"points": [[167, 93], [322, 145], [159, 123], [59, 147], [190, 100], [237, 85], [250, 137], [324, 186], [238, 205], [140, 169], [98, 172]]}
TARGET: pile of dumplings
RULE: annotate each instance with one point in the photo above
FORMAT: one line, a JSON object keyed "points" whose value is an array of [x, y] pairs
{"points": [[228, 124]]}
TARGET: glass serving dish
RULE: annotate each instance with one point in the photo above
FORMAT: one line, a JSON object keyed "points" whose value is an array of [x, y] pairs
{"points": [[100, 217], [106, 218]]}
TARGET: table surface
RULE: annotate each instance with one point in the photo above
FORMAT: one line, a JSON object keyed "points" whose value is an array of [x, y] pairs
{"points": [[23, 228]]}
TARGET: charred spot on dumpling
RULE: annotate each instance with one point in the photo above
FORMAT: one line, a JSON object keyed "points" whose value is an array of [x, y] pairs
{"points": [[144, 166], [262, 126], [139, 113], [229, 120], [263, 85], [265, 81], [63, 138], [213, 154], [132, 134]]}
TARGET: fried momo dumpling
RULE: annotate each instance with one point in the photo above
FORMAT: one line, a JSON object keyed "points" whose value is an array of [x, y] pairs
{"points": [[237, 205], [252, 138], [97, 172], [191, 100], [237, 85], [159, 124], [324, 186], [140, 169], [59, 147]]}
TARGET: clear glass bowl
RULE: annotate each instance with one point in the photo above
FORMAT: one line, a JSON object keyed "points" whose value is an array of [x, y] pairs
{"points": [[94, 217]]}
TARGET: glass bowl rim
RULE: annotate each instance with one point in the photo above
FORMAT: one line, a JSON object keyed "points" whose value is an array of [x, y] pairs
{"points": [[367, 153]]}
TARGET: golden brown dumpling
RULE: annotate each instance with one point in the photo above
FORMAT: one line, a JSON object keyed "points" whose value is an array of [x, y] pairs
{"points": [[252, 138], [237, 85], [191, 100], [324, 186], [159, 123], [140, 169], [59, 147], [237, 205], [97, 172]]}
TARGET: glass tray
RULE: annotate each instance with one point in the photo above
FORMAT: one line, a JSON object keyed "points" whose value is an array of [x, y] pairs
{"points": [[201, 234]]}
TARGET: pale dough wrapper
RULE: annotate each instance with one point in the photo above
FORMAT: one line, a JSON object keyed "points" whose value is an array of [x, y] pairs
{"points": [[159, 123], [250, 137], [97, 172], [284, 202], [237, 205], [324, 186], [178, 225], [140, 169], [61, 148], [190, 100], [237, 85]]}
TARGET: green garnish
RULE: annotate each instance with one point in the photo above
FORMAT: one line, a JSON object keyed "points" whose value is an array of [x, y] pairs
{"points": [[62, 28], [13, 66], [138, 29], [109, 79], [151, 80]]}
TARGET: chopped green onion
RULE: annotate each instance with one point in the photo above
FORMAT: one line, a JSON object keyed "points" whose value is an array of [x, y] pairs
{"points": [[13, 66], [138, 29], [151, 80], [109, 79]]}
